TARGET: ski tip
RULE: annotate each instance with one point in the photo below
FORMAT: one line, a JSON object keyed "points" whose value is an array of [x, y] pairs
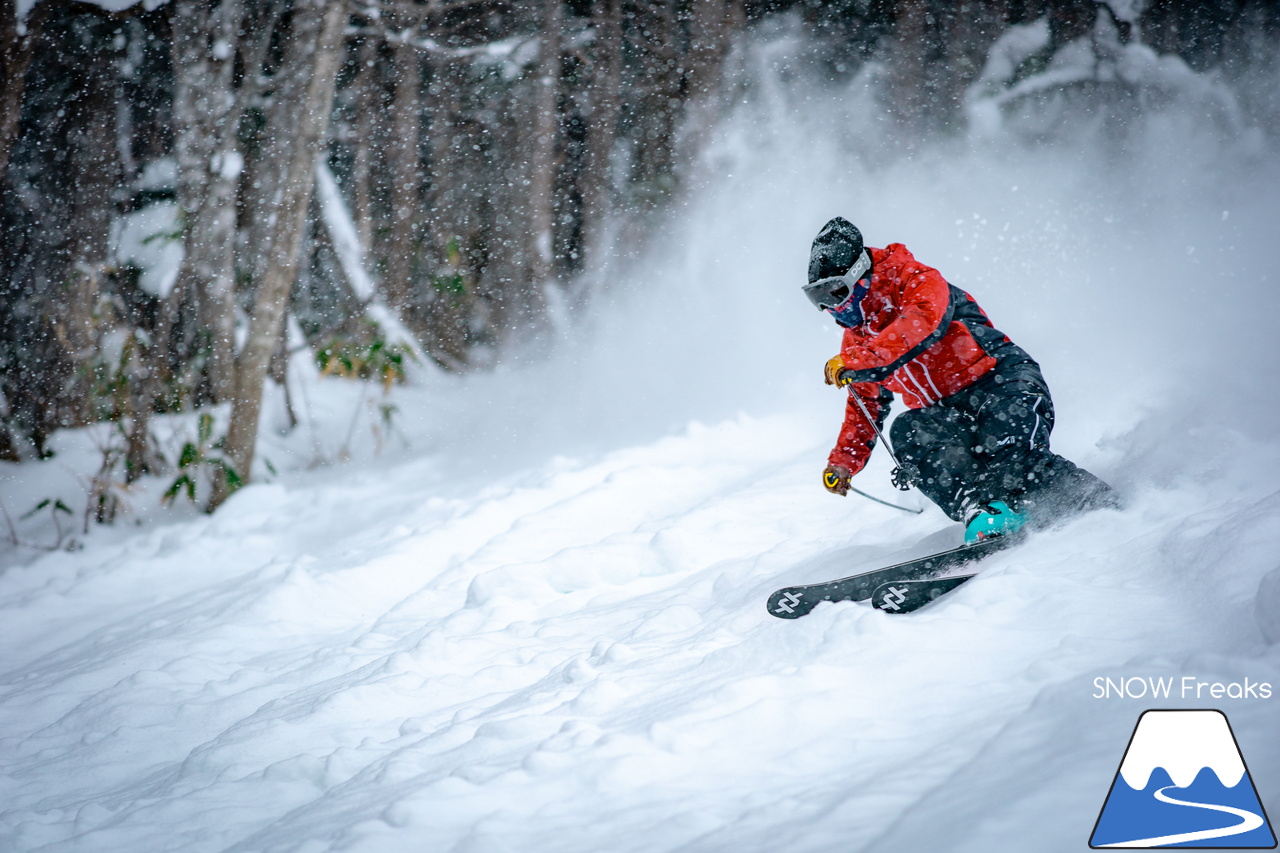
{"points": [[789, 604]]}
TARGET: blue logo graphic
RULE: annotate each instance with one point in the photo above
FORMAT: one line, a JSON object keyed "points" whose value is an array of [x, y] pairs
{"points": [[1183, 783]]}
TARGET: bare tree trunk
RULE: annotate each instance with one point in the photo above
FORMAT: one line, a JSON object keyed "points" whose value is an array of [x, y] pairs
{"points": [[204, 113], [296, 139], [263, 172], [506, 269], [17, 46], [544, 150], [653, 177], [966, 32], [449, 217], [368, 105], [519, 302], [406, 180], [711, 26], [602, 133], [908, 69], [89, 175]]}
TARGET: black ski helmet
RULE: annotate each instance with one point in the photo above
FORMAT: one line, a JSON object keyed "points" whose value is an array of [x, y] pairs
{"points": [[834, 250], [839, 272]]}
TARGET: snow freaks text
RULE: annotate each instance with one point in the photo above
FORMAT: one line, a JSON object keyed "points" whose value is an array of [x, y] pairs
{"points": [[1186, 687]]}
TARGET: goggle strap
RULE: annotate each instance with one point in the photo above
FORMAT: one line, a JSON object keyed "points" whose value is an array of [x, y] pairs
{"points": [[860, 267]]}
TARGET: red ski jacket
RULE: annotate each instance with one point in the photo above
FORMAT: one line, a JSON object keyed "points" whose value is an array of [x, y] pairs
{"points": [[921, 338]]}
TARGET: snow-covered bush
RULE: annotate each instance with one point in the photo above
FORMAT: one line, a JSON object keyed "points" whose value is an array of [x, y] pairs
{"points": [[1039, 87]]}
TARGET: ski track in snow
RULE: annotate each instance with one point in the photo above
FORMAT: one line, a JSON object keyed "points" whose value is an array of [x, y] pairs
{"points": [[523, 636]]}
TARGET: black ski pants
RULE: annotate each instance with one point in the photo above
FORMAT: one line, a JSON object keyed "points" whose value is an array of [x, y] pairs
{"points": [[990, 441]]}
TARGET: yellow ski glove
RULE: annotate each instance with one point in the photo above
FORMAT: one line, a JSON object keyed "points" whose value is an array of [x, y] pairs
{"points": [[833, 370], [836, 479]]}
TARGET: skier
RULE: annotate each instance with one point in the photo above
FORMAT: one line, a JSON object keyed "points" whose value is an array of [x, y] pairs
{"points": [[975, 438]]}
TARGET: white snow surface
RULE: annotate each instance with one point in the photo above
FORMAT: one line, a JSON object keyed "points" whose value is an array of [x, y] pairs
{"points": [[535, 621]]}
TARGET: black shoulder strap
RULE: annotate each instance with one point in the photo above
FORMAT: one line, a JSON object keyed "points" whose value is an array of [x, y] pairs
{"points": [[879, 374]]}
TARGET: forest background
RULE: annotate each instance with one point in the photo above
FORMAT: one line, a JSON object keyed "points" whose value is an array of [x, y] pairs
{"points": [[197, 192]]}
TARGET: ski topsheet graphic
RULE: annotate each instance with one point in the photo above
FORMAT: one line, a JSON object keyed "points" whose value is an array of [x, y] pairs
{"points": [[1183, 783]]}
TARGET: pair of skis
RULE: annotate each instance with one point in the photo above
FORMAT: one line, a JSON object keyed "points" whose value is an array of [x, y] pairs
{"points": [[900, 588]]}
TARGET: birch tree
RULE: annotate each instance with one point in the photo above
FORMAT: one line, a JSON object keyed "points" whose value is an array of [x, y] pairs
{"points": [[296, 132]]}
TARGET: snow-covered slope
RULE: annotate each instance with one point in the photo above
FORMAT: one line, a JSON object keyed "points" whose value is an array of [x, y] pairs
{"points": [[541, 626]]}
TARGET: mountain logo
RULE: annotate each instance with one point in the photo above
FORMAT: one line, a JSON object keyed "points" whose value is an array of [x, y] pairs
{"points": [[1183, 783]]}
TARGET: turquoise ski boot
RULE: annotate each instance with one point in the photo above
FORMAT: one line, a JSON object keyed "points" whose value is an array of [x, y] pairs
{"points": [[987, 520]]}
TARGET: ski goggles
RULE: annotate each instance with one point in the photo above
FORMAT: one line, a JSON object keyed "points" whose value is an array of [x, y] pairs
{"points": [[830, 293]]}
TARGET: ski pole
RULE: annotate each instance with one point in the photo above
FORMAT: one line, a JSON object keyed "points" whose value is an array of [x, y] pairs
{"points": [[909, 471], [862, 407], [886, 503]]}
